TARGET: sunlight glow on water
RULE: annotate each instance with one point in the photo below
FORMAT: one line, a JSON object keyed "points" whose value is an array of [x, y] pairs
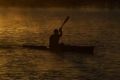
{"points": [[34, 25]]}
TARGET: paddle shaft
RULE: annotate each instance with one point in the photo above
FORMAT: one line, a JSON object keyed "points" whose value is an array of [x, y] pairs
{"points": [[67, 18]]}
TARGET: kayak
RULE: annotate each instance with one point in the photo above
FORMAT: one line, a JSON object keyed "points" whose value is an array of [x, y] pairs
{"points": [[65, 48]]}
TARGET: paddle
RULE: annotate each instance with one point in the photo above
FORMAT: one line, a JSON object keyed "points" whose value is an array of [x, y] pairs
{"points": [[67, 18]]}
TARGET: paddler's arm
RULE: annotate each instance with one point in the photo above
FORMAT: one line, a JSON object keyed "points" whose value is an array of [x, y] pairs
{"points": [[60, 31]]}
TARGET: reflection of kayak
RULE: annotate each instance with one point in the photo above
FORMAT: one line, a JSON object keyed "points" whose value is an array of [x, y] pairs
{"points": [[65, 48]]}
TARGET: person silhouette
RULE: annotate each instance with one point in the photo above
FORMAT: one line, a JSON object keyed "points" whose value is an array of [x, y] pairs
{"points": [[55, 38]]}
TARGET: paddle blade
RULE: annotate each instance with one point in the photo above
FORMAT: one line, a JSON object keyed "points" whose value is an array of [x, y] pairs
{"points": [[67, 18]]}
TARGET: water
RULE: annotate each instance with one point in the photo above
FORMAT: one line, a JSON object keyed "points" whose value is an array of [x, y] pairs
{"points": [[25, 64], [30, 64], [34, 26]]}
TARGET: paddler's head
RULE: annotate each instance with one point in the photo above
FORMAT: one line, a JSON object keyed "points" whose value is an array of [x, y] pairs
{"points": [[56, 31]]}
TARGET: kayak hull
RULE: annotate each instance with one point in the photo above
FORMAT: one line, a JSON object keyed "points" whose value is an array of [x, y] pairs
{"points": [[65, 48]]}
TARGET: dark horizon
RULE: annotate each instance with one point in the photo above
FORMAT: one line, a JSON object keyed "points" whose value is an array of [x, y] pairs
{"points": [[110, 4]]}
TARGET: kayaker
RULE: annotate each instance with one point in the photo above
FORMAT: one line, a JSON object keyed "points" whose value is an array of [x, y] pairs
{"points": [[55, 38]]}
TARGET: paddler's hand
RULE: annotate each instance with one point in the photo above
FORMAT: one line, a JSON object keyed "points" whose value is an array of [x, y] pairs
{"points": [[60, 29]]}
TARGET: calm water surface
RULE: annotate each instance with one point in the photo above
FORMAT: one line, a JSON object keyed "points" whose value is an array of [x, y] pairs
{"points": [[28, 64]]}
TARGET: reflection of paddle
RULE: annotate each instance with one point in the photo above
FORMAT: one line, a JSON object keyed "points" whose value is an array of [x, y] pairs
{"points": [[67, 18]]}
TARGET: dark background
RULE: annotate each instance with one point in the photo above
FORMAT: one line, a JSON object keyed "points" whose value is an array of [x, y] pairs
{"points": [[111, 4]]}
